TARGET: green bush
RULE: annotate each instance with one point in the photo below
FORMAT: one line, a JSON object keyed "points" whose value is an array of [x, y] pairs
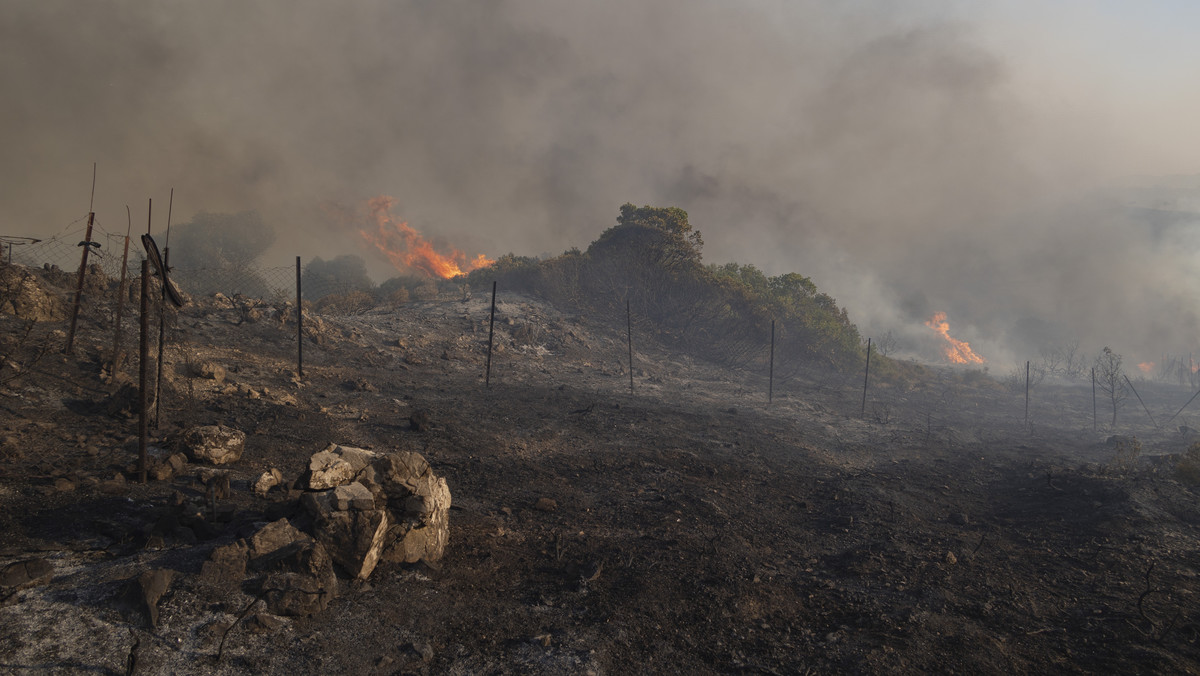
{"points": [[651, 260]]}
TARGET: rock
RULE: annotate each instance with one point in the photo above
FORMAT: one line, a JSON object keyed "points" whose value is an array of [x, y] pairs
{"points": [[327, 469], [545, 505], [352, 496], [64, 485], [273, 537], [166, 468], [125, 402], [951, 559], [147, 589], [267, 481], [419, 502], [27, 573], [208, 370], [348, 525], [354, 539], [264, 623], [216, 481], [419, 421], [21, 294], [959, 519], [300, 580], [226, 566], [215, 444]]}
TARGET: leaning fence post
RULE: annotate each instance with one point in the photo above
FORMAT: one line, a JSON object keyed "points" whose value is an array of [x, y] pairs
{"points": [[487, 371], [866, 377], [162, 312], [299, 325], [143, 367], [87, 248], [1139, 398], [116, 350]]}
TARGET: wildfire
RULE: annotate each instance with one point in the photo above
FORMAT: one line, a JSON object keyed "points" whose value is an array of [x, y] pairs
{"points": [[1146, 366], [957, 351], [407, 249]]}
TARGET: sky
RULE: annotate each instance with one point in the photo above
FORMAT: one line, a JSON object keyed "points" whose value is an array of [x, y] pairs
{"points": [[1017, 164]]}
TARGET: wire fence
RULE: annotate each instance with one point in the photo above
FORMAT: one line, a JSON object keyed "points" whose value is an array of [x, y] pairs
{"points": [[62, 252]]}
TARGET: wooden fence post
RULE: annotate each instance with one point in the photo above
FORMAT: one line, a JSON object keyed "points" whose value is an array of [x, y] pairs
{"points": [[487, 373]]}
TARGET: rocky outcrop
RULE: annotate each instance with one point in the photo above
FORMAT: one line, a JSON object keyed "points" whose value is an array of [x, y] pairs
{"points": [[214, 444], [21, 294]]}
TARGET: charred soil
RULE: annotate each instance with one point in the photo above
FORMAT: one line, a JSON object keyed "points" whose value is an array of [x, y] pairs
{"points": [[688, 526]]}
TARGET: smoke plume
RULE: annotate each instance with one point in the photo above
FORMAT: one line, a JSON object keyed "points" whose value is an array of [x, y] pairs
{"points": [[907, 161]]}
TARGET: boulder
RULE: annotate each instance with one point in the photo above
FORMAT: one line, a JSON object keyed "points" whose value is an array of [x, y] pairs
{"points": [[327, 469], [26, 573], [147, 589], [226, 566], [300, 580], [215, 444], [347, 523], [273, 537], [419, 502], [208, 370], [267, 480]]}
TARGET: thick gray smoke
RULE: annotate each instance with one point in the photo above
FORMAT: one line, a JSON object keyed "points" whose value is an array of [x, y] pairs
{"points": [[890, 155]]}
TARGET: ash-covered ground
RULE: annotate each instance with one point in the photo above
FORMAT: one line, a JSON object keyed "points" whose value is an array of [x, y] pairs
{"points": [[688, 527]]}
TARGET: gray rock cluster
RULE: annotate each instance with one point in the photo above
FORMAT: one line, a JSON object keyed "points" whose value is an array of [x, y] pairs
{"points": [[365, 507]]}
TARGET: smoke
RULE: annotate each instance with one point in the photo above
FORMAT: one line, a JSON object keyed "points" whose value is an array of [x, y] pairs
{"points": [[908, 160]]}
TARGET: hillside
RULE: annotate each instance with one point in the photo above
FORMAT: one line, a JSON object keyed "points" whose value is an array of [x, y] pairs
{"points": [[688, 526]]}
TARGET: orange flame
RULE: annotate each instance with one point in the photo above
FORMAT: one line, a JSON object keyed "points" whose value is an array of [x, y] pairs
{"points": [[1146, 366], [408, 250], [957, 352]]}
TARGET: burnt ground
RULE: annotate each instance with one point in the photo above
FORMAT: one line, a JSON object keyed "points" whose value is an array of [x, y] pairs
{"points": [[694, 528]]}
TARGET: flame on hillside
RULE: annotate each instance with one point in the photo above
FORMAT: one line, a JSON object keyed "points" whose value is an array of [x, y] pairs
{"points": [[1146, 366], [956, 351], [408, 250]]}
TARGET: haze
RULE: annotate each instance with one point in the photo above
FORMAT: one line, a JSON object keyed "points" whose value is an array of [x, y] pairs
{"points": [[1028, 168]]}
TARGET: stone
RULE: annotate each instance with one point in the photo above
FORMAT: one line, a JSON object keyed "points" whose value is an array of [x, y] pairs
{"points": [[327, 469], [125, 402], [419, 421], [216, 482], [26, 573], [214, 444], [354, 539], [209, 371], [346, 522], [264, 623], [148, 588], [300, 580], [545, 505], [267, 480], [165, 469], [419, 502], [352, 496], [226, 566], [273, 537]]}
